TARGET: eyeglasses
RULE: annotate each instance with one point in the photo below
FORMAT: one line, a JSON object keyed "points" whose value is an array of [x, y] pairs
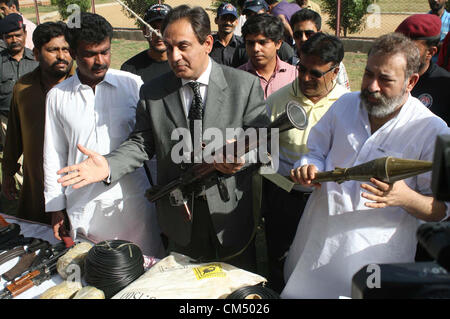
{"points": [[299, 34], [315, 73]]}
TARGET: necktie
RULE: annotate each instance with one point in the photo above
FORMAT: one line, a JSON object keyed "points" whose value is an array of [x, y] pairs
{"points": [[196, 116]]}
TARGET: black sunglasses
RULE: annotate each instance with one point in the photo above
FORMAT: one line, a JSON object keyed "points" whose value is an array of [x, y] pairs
{"points": [[308, 33], [315, 73]]}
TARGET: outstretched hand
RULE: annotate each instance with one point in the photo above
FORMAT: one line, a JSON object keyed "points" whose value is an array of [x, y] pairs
{"points": [[93, 169]]}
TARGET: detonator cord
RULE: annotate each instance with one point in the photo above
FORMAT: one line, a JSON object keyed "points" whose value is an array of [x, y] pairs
{"points": [[112, 265]]}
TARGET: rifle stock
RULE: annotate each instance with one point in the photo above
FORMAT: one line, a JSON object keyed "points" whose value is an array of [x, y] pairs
{"points": [[36, 274]]}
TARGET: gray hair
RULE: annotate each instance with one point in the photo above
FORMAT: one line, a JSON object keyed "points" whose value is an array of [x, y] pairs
{"points": [[395, 43]]}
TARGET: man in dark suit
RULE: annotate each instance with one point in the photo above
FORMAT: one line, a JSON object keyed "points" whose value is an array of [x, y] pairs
{"points": [[217, 229]]}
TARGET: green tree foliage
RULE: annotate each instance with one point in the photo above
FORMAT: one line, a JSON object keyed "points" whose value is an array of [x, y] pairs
{"points": [[85, 5], [352, 14]]}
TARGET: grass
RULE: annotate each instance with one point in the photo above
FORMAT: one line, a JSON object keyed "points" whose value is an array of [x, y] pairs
{"points": [[122, 50], [355, 63]]}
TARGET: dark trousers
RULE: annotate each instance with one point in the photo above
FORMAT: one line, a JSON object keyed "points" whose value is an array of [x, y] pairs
{"points": [[281, 211], [205, 246]]}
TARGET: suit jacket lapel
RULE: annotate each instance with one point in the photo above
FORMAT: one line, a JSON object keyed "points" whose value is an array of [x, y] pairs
{"points": [[172, 102], [215, 97]]}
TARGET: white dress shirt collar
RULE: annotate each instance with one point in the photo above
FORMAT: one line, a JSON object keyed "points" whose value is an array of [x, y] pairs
{"points": [[186, 92], [203, 78], [109, 78]]}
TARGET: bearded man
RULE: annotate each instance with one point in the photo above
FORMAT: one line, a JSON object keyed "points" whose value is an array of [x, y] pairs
{"points": [[25, 134], [347, 226]]}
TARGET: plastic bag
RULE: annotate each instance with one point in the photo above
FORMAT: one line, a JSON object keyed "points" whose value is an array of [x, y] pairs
{"points": [[175, 277]]}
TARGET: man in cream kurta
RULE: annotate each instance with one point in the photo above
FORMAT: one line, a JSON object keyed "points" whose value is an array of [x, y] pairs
{"points": [[347, 226]]}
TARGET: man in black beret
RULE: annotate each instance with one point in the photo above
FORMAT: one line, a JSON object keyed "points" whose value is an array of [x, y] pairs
{"points": [[15, 61], [432, 89]]}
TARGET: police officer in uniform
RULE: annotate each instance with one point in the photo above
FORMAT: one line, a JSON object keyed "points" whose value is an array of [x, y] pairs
{"points": [[432, 89], [15, 61]]}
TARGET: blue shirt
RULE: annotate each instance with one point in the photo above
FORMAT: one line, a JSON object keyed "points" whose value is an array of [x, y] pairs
{"points": [[445, 19]]}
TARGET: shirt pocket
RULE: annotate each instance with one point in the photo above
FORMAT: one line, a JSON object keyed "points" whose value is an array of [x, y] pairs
{"points": [[6, 85]]}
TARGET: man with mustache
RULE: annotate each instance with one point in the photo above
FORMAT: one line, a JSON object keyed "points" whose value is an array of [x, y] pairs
{"points": [[316, 89], [151, 63], [225, 41], [96, 107], [263, 34], [349, 225], [25, 134], [15, 61], [12, 6]]}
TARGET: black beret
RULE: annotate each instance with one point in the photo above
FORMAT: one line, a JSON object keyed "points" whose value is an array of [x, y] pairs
{"points": [[10, 23]]}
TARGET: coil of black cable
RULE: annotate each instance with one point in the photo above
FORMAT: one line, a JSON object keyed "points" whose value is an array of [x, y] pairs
{"points": [[112, 265], [254, 292]]}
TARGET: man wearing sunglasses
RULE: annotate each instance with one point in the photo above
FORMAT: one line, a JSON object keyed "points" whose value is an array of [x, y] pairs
{"points": [[315, 89], [263, 35], [151, 63], [305, 23]]}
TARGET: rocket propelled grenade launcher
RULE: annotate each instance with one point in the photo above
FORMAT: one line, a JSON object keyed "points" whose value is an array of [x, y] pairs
{"points": [[386, 169]]}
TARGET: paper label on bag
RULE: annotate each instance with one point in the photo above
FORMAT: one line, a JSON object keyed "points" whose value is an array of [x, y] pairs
{"points": [[209, 271]]}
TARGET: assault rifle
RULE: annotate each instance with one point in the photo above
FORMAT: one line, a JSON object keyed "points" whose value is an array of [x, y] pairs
{"points": [[40, 271], [293, 117]]}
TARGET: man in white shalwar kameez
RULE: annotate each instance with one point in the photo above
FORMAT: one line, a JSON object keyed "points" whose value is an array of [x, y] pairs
{"points": [[96, 108], [347, 226]]}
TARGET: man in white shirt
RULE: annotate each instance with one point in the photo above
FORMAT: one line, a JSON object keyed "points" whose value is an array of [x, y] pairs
{"points": [[96, 108], [347, 226]]}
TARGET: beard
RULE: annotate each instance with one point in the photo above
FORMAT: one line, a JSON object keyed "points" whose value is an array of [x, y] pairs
{"points": [[435, 7], [385, 105], [58, 73]]}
